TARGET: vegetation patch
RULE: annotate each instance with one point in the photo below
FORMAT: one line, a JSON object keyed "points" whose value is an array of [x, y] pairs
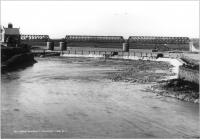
{"points": [[178, 88], [139, 71]]}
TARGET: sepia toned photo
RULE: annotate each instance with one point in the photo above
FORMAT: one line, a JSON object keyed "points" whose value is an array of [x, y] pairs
{"points": [[99, 69]]}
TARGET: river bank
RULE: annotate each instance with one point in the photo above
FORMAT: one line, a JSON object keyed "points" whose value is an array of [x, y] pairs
{"points": [[13, 58]]}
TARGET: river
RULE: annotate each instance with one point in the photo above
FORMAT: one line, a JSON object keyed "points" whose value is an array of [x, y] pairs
{"points": [[71, 97]]}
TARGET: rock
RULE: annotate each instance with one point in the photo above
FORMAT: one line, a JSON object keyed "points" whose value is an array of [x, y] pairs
{"points": [[196, 101], [41, 55], [187, 98], [181, 97]]}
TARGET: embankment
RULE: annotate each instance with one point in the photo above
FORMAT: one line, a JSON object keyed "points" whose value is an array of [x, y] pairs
{"points": [[188, 74], [13, 58], [189, 71]]}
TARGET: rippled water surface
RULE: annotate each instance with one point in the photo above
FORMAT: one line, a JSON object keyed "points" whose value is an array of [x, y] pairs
{"points": [[71, 97]]}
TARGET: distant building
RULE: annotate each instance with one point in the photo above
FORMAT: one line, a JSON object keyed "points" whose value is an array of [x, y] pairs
{"points": [[10, 36]]}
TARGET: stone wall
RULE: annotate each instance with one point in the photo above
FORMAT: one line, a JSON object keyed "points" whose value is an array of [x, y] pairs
{"points": [[188, 74]]}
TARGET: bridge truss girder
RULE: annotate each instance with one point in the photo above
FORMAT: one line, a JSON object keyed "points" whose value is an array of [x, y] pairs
{"points": [[84, 38], [158, 40], [34, 37]]}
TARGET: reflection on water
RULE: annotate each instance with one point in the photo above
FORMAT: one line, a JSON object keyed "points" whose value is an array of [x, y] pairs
{"points": [[73, 94]]}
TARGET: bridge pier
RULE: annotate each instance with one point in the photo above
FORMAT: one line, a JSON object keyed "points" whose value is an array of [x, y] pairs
{"points": [[63, 46], [50, 45], [125, 47]]}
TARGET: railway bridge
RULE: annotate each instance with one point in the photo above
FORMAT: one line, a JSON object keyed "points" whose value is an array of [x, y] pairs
{"points": [[134, 42]]}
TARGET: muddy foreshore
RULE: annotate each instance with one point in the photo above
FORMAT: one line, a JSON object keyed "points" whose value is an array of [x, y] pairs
{"points": [[158, 74]]}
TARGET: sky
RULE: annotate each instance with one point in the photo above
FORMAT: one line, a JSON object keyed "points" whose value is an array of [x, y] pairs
{"points": [[120, 18]]}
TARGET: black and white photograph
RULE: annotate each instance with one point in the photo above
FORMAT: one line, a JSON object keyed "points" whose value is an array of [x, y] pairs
{"points": [[99, 69]]}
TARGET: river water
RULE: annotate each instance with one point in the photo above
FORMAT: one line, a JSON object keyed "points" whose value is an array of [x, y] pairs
{"points": [[71, 97]]}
